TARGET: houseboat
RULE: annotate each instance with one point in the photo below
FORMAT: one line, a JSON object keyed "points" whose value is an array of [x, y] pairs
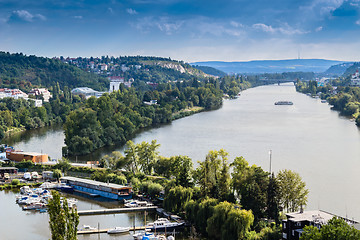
{"points": [[107, 190]]}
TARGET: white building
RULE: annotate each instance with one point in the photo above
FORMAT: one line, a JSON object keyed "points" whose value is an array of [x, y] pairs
{"points": [[87, 92], [13, 93], [355, 79], [41, 91], [115, 82]]}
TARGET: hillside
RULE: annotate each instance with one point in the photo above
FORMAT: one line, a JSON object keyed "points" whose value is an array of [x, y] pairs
{"points": [[210, 70], [338, 69], [24, 72], [140, 68], [272, 66], [352, 69]]}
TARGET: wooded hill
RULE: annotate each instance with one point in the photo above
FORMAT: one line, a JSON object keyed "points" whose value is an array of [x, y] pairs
{"points": [[25, 72]]}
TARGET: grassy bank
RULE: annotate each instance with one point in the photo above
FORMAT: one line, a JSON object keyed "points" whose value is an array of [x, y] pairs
{"points": [[9, 186], [186, 112]]}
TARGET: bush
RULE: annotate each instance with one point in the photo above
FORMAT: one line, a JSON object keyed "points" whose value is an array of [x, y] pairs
{"points": [[15, 182]]}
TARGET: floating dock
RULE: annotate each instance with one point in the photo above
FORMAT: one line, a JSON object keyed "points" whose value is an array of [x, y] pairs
{"points": [[105, 230], [116, 210]]}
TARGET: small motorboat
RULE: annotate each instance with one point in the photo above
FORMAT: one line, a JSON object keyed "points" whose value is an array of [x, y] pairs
{"points": [[118, 230]]}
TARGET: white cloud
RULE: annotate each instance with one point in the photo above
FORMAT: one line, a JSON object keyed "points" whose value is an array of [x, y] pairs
{"points": [[111, 11], [164, 24], [78, 17], [131, 11], [318, 29], [23, 15], [286, 29], [236, 24]]}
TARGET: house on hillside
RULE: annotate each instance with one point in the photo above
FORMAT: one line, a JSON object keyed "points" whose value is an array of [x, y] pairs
{"points": [[355, 79]]}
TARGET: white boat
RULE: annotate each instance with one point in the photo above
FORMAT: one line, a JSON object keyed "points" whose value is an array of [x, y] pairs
{"points": [[118, 230], [25, 190], [136, 203], [163, 224], [87, 228]]}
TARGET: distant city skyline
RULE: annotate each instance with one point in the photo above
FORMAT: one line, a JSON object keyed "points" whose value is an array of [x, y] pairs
{"points": [[212, 30]]}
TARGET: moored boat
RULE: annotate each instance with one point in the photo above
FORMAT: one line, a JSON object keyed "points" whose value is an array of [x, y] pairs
{"points": [[163, 224], [284, 103], [118, 230]]}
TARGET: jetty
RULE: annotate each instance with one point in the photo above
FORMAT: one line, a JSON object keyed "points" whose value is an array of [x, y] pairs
{"points": [[116, 210], [141, 228]]}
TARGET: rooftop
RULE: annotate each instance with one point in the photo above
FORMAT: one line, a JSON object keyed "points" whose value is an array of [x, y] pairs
{"points": [[29, 153], [96, 183]]}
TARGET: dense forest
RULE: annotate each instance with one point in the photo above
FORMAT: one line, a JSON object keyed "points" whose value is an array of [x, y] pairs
{"points": [[25, 72]]}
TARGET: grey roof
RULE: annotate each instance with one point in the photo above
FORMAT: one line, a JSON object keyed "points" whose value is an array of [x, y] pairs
{"points": [[95, 183]]}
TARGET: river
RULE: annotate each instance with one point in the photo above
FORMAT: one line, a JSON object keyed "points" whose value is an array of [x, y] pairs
{"points": [[307, 137]]}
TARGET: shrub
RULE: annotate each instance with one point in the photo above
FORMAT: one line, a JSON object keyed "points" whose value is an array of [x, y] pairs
{"points": [[15, 182]]}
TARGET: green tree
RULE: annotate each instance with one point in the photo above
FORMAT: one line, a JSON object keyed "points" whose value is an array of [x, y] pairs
{"points": [[293, 192], [57, 174], [63, 222], [148, 154], [335, 229]]}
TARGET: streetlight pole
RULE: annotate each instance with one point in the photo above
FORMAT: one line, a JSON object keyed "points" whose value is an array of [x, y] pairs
{"points": [[270, 153]]}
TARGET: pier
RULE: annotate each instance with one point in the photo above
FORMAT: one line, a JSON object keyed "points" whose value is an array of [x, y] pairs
{"points": [[116, 210], [105, 230]]}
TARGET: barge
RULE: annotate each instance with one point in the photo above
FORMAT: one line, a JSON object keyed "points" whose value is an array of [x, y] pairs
{"points": [[107, 190]]}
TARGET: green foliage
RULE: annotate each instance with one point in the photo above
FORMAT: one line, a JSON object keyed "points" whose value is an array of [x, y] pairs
{"points": [[63, 222], [57, 174], [15, 182], [63, 164], [176, 198], [213, 175], [24, 164], [19, 70], [150, 188], [293, 192], [229, 222], [335, 229]]}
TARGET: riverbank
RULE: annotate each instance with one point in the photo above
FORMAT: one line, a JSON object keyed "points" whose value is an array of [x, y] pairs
{"points": [[186, 112]]}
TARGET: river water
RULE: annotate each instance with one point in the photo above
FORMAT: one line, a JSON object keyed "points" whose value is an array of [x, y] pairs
{"points": [[307, 137]]}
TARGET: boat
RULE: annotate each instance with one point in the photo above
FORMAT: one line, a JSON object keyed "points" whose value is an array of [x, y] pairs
{"points": [[87, 228], [118, 230], [284, 103], [163, 224], [323, 101], [136, 203]]}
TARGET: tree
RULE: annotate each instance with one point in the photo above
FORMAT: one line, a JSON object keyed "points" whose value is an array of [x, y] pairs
{"points": [[63, 222], [335, 229], [273, 197], [293, 192], [131, 156], [57, 174], [228, 222], [148, 154], [251, 184]]}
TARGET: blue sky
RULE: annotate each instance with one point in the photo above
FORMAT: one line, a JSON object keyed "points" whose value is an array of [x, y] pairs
{"points": [[189, 30]]}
